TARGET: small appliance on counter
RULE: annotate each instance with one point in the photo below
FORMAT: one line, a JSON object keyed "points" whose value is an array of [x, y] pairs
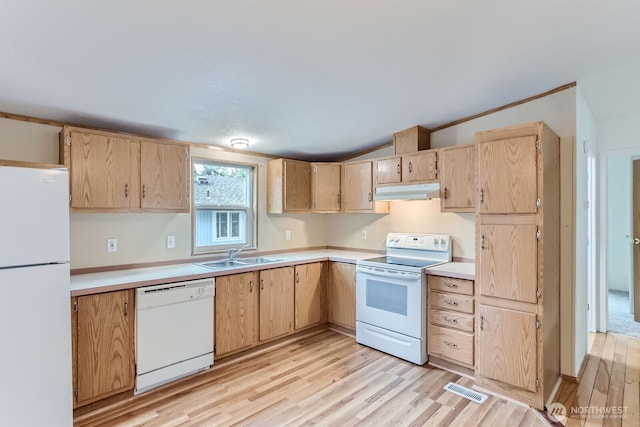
{"points": [[391, 294]]}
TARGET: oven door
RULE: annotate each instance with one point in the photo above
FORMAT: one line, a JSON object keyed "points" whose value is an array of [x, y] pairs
{"points": [[391, 299]]}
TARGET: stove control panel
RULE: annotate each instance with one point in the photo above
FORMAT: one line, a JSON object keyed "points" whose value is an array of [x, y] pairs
{"points": [[426, 242]]}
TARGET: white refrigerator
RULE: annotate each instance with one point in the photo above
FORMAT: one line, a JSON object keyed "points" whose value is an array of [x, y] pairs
{"points": [[35, 318]]}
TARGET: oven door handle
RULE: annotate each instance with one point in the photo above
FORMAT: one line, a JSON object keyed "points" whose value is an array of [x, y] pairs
{"points": [[381, 273]]}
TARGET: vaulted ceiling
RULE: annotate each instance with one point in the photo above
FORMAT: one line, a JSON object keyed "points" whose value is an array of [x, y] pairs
{"points": [[308, 79]]}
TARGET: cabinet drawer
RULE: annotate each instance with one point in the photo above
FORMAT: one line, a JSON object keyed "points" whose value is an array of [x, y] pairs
{"points": [[451, 344], [453, 302], [446, 284], [451, 319]]}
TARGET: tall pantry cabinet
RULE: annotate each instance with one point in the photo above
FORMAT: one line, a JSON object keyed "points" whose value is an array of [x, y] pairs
{"points": [[518, 262]]}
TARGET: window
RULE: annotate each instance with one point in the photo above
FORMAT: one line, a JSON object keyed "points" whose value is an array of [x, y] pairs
{"points": [[223, 205]]}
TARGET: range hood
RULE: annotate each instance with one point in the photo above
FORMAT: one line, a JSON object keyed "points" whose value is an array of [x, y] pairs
{"points": [[408, 192]]}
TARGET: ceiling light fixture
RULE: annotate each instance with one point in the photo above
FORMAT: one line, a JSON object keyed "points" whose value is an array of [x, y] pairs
{"points": [[240, 143]]}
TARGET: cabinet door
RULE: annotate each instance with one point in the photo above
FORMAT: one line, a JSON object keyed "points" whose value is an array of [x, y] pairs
{"points": [[458, 178], [388, 171], [326, 187], [342, 294], [105, 362], [276, 302], [358, 187], [236, 313], [103, 171], [310, 294], [297, 186], [507, 349], [507, 176], [509, 262], [419, 167], [164, 176]]}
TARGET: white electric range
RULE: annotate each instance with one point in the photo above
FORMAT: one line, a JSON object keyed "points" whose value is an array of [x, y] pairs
{"points": [[391, 294]]}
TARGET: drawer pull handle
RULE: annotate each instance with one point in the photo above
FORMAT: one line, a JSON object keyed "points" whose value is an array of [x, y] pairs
{"points": [[450, 285], [450, 302], [451, 344], [451, 319]]}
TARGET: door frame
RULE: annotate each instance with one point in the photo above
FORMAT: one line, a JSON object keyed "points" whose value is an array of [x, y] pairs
{"points": [[601, 290]]}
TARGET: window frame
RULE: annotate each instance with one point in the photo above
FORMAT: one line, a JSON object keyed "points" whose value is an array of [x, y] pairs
{"points": [[251, 214]]}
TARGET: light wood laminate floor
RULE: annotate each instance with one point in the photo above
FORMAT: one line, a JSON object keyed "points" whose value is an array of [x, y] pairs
{"points": [[609, 391], [326, 379]]}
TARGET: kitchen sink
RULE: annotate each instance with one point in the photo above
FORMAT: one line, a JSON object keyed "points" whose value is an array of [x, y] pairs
{"points": [[237, 262], [258, 260]]}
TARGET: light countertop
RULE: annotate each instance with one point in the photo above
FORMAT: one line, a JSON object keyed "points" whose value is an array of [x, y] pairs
{"points": [[85, 284]]}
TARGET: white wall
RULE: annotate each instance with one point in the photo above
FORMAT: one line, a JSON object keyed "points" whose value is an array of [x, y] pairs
{"points": [[585, 142], [619, 223]]}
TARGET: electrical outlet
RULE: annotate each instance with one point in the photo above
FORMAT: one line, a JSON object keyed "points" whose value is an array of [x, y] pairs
{"points": [[287, 235], [112, 245], [171, 242], [363, 235]]}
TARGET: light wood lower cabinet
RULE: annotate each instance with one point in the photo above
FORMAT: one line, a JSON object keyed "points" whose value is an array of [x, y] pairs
{"points": [[103, 346], [310, 295], [342, 294], [450, 333], [276, 302], [236, 313]]}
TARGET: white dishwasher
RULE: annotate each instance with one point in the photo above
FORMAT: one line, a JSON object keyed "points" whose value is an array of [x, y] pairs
{"points": [[174, 331]]}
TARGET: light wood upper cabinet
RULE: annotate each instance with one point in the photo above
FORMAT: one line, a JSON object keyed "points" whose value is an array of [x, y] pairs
{"points": [[103, 345], [414, 168], [325, 187], [342, 294], [507, 176], [389, 171], [420, 167], [457, 166], [276, 302], [507, 343], [357, 189], [310, 294], [288, 186], [106, 169], [411, 140], [103, 170], [236, 312], [164, 171]]}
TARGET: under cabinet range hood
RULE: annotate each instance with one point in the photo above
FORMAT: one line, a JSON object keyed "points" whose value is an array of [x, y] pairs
{"points": [[408, 192]]}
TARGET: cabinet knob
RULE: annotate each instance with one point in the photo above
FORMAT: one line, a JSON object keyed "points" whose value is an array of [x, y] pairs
{"points": [[481, 195]]}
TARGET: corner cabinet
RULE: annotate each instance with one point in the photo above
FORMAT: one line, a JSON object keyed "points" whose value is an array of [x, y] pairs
{"points": [[357, 189], [518, 262], [102, 345], [288, 186], [111, 172], [325, 187], [457, 166], [310, 295]]}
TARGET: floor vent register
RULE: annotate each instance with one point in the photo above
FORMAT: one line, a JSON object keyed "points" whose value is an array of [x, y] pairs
{"points": [[465, 392]]}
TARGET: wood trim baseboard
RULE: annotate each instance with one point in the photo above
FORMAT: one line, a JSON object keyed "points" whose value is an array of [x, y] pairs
{"points": [[577, 378], [452, 367], [343, 330]]}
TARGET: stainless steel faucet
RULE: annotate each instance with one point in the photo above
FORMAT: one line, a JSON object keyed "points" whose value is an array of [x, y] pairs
{"points": [[233, 251]]}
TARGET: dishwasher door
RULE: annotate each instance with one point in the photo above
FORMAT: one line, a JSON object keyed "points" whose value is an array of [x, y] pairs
{"points": [[174, 331]]}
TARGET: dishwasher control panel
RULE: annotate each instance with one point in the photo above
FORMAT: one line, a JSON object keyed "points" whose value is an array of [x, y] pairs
{"points": [[174, 293]]}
